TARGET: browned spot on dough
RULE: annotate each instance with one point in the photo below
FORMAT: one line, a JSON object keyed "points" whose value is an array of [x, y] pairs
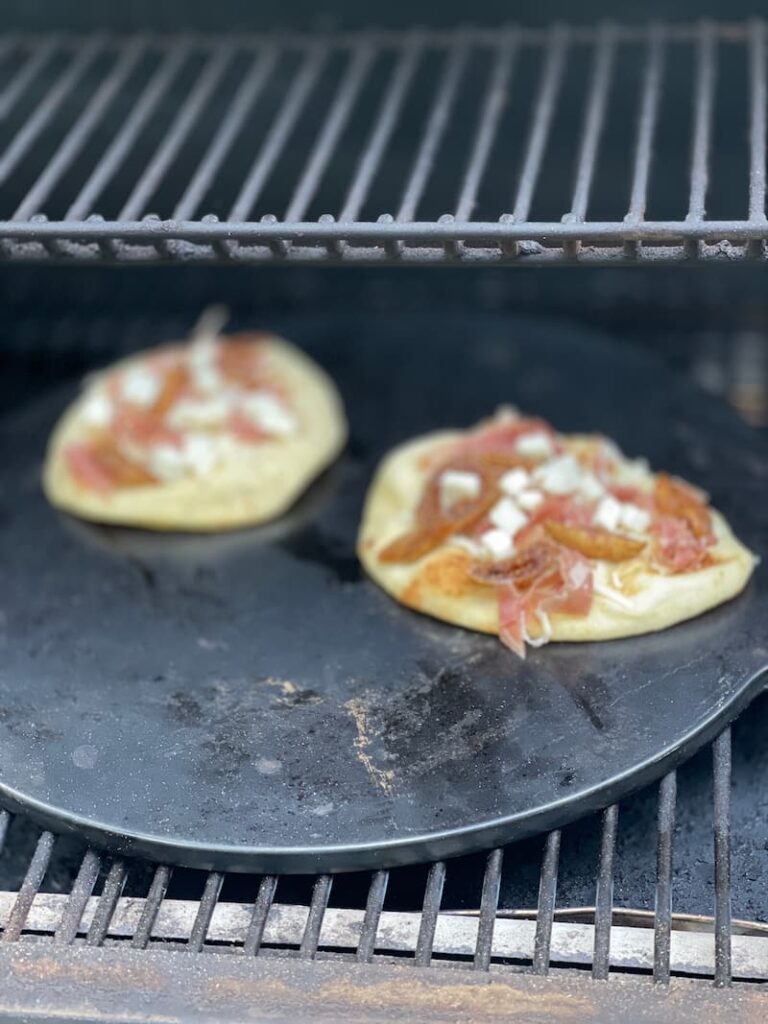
{"points": [[445, 573]]}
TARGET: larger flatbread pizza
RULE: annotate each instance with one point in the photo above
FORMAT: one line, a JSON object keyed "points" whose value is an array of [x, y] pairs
{"points": [[515, 529], [217, 433]]}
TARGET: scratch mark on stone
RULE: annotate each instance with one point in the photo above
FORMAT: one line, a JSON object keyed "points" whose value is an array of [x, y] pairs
{"points": [[381, 778]]}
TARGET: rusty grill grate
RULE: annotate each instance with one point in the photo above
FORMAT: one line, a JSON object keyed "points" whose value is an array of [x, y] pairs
{"points": [[512, 145], [603, 938]]}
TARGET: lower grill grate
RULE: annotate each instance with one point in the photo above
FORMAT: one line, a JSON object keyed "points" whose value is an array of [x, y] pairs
{"points": [[71, 895]]}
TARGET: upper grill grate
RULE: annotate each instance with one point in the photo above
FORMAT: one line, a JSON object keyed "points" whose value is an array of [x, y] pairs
{"points": [[513, 145]]}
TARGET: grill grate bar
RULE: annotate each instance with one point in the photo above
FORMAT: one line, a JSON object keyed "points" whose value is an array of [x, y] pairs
{"points": [[704, 95], [541, 120], [25, 75], [321, 893], [384, 125], [665, 830], [222, 108], [261, 907], [493, 105], [213, 884], [646, 128], [721, 752], [78, 899], [445, 94], [243, 101], [5, 821], [278, 134], [155, 897], [48, 107], [594, 121], [121, 145], [433, 897], [545, 915], [105, 910], [79, 132], [29, 888], [489, 904], [374, 905], [335, 122], [604, 894], [757, 134], [212, 73]]}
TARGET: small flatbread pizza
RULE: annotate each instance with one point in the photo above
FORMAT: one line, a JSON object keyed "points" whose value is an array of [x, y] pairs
{"points": [[514, 529], [217, 433]]}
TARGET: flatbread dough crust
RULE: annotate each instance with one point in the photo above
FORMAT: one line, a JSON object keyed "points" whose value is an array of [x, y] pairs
{"points": [[437, 584], [261, 483]]}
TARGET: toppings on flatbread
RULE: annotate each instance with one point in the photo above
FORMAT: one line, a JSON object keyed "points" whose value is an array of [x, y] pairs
{"points": [[218, 432], [515, 529]]}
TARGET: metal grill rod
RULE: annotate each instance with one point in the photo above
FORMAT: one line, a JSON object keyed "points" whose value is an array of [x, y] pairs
{"points": [[704, 94], [48, 107], [541, 119], [278, 134], [79, 132], [433, 895], [121, 145], [373, 908], [489, 903], [205, 911], [321, 893], [721, 752], [37, 59], [78, 898], [493, 105], [546, 907], [199, 95], [335, 122], [383, 127], [243, 101], [665, 829], [259, 915], [155, 897], [604, 895], [646, 128], [445, 94], [30, 887], [107, 904]]}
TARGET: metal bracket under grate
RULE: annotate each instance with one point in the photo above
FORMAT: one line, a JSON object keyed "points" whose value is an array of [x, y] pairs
{"points": [[505, 146]]}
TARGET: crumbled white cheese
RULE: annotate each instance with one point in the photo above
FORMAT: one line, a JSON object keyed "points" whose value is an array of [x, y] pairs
{"points": [[140, 386], [97, 409], [514, 481], [468, 544], [201, 453], [166, 462], [458, 485], [508, 516], [612, 514], [608, 513], [536, 445], [269, 413], [561, 475], [200, 412], [529, 501], [590, 487], [634, 518], [497, 542]]}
